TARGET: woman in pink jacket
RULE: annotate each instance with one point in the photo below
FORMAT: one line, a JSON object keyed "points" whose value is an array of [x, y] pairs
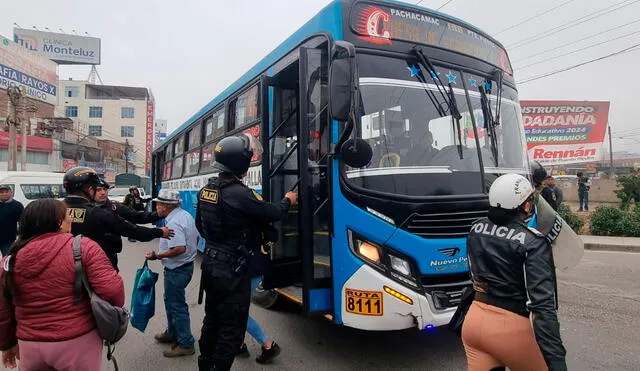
{"points": [[40, 324]]}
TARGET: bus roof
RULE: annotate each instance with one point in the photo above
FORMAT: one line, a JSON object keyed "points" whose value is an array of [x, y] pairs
{"points": [[328, 20]]}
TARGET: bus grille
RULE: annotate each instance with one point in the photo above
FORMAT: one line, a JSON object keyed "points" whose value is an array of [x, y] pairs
{"points": [[445, 289], [443, 225]]}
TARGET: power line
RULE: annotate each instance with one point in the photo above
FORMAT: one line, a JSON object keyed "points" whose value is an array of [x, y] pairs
{"points": [[629, 49], [575, 41], [571, 24], [578, 50], [445, 4], [533, 17]]}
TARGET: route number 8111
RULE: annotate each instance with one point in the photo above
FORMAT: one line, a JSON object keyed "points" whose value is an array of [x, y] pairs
{"points": [[366, 303]]}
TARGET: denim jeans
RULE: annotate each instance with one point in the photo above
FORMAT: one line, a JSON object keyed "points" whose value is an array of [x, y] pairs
{"points": [[179, 324], [253, 327], [584, 200]]}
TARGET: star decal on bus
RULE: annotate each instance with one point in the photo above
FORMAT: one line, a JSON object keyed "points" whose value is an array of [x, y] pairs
{"points": [[451, 77], [474, 82], [415, 70]]}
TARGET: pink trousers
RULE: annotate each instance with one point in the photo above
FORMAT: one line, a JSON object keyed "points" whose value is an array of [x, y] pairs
{"points": [[81, 353]]}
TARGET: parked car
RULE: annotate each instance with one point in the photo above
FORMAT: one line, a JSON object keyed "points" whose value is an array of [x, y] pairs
{"points": [[32, 185]]}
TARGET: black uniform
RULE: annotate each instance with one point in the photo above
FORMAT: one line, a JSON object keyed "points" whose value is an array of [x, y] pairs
{"points": [[231, 218], [512, 266], [105, 227], [550, 196]]}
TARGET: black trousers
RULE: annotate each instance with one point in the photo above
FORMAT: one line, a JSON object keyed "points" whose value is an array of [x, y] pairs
{"points": [[226, 313]]}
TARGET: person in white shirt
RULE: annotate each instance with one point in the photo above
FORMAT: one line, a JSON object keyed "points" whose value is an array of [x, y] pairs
{"points": [[177, 255]]}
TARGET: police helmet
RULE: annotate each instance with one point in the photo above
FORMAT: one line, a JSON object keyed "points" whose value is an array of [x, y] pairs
{"points": [[510, 191], [233, 155], [538, 173], [104, 184], [79, 177]]}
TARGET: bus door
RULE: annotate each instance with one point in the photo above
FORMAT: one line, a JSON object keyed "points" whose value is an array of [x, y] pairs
{"points": [[298, 148]]}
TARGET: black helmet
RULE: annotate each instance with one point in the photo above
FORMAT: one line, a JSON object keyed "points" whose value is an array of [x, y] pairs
{"points": [[233, 155], [104, 184], [538, 173], [78, 177]]}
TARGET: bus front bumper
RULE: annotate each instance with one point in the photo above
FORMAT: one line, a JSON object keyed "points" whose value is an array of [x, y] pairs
{"points": [[372, 301]]}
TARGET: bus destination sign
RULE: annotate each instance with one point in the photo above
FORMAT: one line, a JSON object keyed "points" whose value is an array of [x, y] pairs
{"points": [[382, 25]]}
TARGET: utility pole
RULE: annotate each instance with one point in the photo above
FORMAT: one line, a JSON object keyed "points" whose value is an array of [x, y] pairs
{"points": [[14, 94], [611, 154]]}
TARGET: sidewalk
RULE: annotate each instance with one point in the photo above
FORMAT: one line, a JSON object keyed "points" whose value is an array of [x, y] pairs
{"points": [[631, 244]]}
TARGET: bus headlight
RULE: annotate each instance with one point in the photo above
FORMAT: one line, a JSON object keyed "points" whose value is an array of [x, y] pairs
{"points": [[393, 263], [400, 265], [369, 251]]}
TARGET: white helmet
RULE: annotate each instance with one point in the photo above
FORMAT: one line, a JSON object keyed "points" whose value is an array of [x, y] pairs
{"points": [[510, 191]]}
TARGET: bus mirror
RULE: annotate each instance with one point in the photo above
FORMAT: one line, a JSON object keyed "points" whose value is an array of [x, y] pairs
{"points": [[342, 80], [356, 153]]}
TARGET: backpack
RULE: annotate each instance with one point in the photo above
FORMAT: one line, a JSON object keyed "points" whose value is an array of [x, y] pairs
{"points": [[112, 321]]}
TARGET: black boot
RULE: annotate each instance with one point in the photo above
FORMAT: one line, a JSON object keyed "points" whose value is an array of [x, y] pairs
{"points": [[205, 364]]}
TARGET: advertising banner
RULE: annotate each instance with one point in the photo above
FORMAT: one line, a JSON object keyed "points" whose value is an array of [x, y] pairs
{"points": [[149, 136], [30, 71], [59, 47], [565, 132]]}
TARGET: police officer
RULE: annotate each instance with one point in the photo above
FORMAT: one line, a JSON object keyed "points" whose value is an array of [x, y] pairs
{"points": [[97, 223], [513, 320], [127, 213], [539, 175], [230, 216]]}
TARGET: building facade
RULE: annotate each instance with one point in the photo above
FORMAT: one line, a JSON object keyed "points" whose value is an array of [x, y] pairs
{"points": [[121, 116]]}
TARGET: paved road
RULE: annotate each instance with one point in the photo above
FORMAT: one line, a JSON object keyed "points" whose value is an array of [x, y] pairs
{"points": [[600, 315]]}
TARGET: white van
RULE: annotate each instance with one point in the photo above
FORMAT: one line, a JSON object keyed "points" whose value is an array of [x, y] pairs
{"points": [[32, 185]]}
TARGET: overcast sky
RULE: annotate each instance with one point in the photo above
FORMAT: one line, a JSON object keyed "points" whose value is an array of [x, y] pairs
{"points": [[188, 51]]}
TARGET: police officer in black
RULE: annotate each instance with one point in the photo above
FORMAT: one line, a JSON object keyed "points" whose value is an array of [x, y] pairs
{"points": [[123, 211], [99, 224], [539, 175], [230, 216]]}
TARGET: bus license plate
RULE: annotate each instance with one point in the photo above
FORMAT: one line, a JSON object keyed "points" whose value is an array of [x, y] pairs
{"points": [[366, 303]]}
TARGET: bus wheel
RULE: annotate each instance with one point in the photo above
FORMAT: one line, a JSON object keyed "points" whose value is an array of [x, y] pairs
{"points": [[265, 298]]}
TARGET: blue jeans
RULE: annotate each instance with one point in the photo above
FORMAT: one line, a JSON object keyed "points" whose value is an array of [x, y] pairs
{"points": [[179, 325], [253, 327], [584, 200], [5, 248]]}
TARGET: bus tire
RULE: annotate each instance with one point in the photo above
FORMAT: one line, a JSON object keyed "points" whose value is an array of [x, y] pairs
{"points": [[265, 298]]}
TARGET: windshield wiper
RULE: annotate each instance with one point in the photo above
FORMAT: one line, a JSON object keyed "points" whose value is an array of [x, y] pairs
{"points": [[424, 61], [448, 97], [489, 123], [455, 120]]}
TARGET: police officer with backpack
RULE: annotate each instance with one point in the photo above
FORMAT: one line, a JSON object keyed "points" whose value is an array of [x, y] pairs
{"points": [[99, 224], [230, 216]]}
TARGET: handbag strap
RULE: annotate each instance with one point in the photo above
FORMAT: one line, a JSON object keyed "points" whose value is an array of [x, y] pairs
{"points": [[81, 275]]}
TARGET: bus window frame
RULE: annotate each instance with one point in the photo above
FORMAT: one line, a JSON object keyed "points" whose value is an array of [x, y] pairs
{"points": [[220, 107]]}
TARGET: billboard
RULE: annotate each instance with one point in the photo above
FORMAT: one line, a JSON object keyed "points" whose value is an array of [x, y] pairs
{"points": [[160, 131], [149, 136], [565, 132], [37, 75], [59, 47]]}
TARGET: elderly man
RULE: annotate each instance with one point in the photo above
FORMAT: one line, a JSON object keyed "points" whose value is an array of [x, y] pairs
{"points": [[177, 255], [10, 213]]}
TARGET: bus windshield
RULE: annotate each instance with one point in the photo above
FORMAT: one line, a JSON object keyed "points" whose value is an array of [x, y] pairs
{"points": [[419, 147]]}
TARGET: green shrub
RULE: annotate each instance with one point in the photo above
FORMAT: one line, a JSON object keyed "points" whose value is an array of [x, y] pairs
{"points": [[629, 191], [570, 217], [611, 221]]}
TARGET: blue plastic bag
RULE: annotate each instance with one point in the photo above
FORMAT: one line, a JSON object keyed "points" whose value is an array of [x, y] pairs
{"points": [[143, 298]]}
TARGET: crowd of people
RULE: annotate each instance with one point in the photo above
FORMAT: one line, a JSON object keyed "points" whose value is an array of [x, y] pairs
{"points": [[512, 321]]}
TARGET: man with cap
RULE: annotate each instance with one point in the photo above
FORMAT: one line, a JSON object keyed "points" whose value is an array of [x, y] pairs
{"points": [[10, 213], [230, 216], [96, 223], [177, 256]]}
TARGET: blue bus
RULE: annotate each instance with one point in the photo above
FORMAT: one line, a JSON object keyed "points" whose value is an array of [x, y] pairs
{"points": [[391, 121]]}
